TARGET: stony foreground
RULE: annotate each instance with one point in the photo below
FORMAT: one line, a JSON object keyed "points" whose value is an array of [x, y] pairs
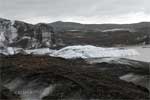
{"points": [[56, 78]]}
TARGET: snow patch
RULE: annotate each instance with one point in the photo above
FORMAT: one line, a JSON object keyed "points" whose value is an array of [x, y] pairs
{"points": [[26, 37], [116, 29], [12, 22], [47, 91]]}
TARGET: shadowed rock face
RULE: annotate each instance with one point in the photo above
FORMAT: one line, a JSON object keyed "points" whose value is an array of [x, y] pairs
{"points": [[57, 78], [6, 94], [24, 35]]}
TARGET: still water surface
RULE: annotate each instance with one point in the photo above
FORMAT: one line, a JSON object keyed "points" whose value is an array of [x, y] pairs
{"points": [[144, 53]]}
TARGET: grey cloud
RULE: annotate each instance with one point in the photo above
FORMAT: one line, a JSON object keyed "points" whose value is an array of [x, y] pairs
{"points": [[24, 9]]}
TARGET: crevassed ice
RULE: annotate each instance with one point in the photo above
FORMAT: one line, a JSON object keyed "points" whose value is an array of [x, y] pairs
{"points": [[89, 51]]}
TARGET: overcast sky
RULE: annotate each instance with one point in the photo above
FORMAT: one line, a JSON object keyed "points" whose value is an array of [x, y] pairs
{"points": [[83, 11]]}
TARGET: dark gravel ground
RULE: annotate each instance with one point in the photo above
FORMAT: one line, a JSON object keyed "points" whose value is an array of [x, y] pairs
{"points": [[73, 79]]}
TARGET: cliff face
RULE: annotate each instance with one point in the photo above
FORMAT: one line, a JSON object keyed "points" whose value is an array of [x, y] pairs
{"points": [[24, 35]]}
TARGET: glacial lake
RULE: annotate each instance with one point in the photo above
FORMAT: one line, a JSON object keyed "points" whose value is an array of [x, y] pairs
{"points": [[144, 53]]}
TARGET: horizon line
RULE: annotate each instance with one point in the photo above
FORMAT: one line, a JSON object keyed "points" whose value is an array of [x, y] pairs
{"points": [[73, 22]]}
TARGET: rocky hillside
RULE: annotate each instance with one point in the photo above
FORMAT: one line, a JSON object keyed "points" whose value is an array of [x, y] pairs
{"points": [[60, 34], [63, 26], [102, 34], [24, 35]]}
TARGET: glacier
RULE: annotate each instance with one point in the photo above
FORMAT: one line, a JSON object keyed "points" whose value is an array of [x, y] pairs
{"points": [[77, 51], [89, 51]]}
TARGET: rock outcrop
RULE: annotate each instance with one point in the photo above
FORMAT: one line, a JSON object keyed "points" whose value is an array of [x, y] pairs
{"points": [[6, 94], [24, 35]]}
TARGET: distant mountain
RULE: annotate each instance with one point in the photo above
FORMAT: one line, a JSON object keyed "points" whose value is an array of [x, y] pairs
{"points": [[103, 34], [63, 26]]}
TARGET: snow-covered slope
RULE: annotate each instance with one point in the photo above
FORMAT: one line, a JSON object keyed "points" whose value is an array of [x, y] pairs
{"points": [[89, 51]]}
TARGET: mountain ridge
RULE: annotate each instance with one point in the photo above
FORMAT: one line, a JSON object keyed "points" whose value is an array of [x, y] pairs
{"points": [[60, 34], [59, 21]]}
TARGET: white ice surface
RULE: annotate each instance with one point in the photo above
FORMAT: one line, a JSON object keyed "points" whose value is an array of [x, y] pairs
{"points": [[7, 51], [41, 51], [79, 51], [89, 51]]}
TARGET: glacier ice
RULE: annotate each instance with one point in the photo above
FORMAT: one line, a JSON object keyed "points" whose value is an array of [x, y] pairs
{"points": [[89, 51], [2, 37], [78, 51], [40, 51], [7, 51]]}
